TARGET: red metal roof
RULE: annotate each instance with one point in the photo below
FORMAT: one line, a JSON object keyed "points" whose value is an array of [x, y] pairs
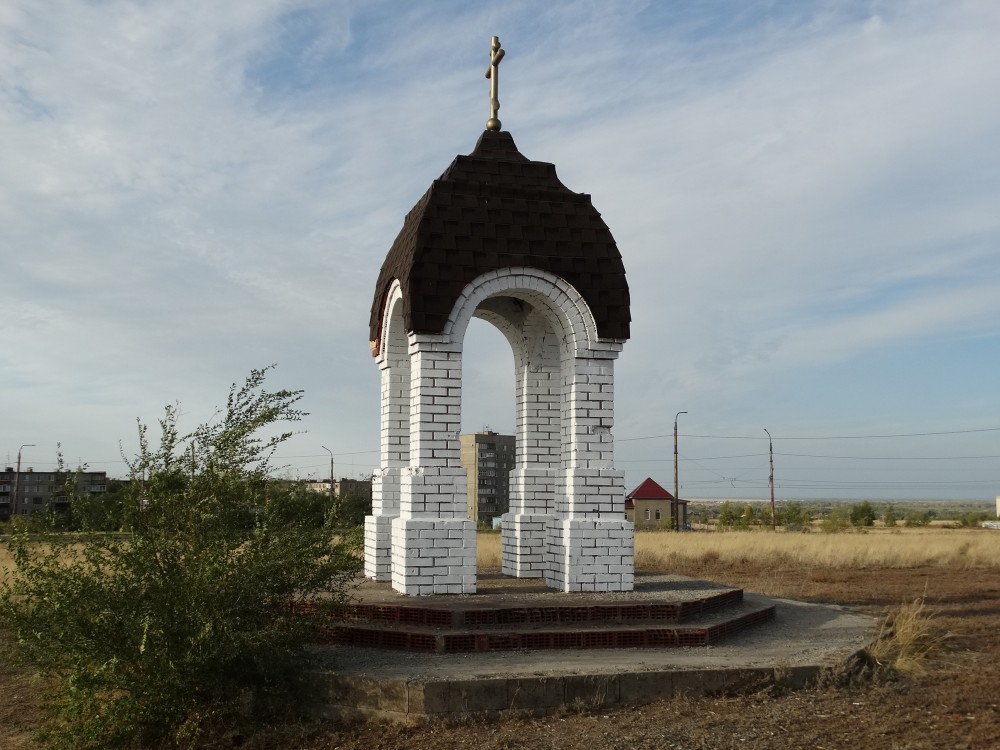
{"points": [[649, 490]]}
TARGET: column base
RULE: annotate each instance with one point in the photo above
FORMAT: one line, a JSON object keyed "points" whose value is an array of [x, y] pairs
{"points": [[378, 547], [522, 543], [590, 554], [433, 556]]}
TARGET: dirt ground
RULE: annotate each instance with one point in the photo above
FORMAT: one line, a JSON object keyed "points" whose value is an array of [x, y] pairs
{"points": [[955, 703]]}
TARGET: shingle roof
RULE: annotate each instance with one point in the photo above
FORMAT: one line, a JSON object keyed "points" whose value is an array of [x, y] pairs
{"points": [[649, 490], [496, 209]]}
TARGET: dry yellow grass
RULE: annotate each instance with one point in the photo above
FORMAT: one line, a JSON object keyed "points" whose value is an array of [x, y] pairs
{"points": [[907, 639], [900, 548], [488, 551]]}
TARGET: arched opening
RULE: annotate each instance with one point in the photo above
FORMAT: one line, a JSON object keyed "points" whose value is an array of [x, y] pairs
{"points": [[487, 441]]}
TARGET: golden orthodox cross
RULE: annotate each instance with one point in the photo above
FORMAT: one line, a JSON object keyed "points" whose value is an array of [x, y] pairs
{"points": [[493, 73]]}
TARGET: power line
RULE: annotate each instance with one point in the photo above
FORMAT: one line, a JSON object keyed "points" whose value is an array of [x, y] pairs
{"points": [[815, 437], [888, 458]]}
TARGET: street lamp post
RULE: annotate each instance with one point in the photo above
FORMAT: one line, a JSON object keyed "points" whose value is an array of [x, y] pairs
{"points": [[331, 473], [770, 479], [17, 479], [675, 521]]}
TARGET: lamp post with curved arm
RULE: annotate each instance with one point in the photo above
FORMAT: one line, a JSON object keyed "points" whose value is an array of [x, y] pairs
{"points": [[331, 473], [675, 504], [770, 479]]}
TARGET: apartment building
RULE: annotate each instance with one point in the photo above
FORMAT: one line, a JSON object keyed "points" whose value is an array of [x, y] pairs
{"points": [[30, 491], [488, 457]]}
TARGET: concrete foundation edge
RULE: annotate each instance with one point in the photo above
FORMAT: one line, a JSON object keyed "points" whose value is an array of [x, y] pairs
{"points": [[349, 697]]}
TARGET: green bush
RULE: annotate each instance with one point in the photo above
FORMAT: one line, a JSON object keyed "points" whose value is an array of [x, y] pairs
{"points": [[917, 518], [974, 518], [837, 520], [889, 516], [184, 624], [862, 514], [728, 516], [794, 517]]}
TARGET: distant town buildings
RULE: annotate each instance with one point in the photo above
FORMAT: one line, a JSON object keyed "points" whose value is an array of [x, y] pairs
{"points": [[649, 506], [488, 457], [343, 487], [29, 491]]}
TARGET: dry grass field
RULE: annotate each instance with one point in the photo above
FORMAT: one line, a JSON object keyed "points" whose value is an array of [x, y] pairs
{"points": [[875, 548], [946, 694]]}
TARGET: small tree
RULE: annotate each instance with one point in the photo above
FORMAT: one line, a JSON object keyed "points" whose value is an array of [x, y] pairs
{"points": [[186, 624], [727, 516], [837, 520], [862, 514], [917, 518], [973, 518], [889, 516], [794, 517]]}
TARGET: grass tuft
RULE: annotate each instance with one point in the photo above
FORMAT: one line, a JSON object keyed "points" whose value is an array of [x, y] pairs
{"points": [[907, 639]]}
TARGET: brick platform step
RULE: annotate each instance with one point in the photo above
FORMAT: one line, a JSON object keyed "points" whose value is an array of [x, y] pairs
{"points": [[597, 627], [476, 615]]}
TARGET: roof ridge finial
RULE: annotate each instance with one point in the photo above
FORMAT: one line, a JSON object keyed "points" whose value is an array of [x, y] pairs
{"points": [[493, 73]]}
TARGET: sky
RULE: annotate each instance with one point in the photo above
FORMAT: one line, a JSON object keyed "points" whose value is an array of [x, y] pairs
{"points": [[806, 197]]}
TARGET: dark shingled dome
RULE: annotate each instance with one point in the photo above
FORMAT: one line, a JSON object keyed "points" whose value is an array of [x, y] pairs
{"points": [[496, 209]]}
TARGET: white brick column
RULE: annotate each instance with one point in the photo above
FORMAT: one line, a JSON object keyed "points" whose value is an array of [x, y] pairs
{"points": [[433, 541], [533, 481], [590, 545], [394, 447], [394, 442]]}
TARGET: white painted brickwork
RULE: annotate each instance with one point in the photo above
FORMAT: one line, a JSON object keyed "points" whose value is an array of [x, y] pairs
{"points": [[566, 523]]}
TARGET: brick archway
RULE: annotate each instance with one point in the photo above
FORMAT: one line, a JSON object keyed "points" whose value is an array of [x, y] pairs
{"points": [[566, 523]]}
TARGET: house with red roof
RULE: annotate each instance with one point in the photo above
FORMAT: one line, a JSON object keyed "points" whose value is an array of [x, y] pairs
{"points": [[649, 506]]}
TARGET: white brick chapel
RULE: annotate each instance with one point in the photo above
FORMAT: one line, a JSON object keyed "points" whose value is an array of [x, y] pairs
{"points": [[500, 238]]}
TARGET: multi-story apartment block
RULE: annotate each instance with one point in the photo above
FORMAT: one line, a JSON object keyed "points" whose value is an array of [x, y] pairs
{"points": [[488, 457], [26, 492]]}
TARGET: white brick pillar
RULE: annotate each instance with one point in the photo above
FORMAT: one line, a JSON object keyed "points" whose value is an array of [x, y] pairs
{"points": [[394, 438], [533, 481], [590, 545], [433, 541]]}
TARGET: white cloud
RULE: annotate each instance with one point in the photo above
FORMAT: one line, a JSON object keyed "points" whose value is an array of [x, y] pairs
{"points": [[191, 189]]}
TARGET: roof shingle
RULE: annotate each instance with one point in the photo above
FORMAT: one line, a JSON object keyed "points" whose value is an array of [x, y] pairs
{"points": [[496, 209]]}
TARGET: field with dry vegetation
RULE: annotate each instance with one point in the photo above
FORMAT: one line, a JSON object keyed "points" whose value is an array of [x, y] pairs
{"points": [[871, 548], [937, 590]]}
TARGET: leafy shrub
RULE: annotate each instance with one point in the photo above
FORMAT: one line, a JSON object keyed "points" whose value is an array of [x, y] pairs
{"points": [[889, 516], [917, 518], [794, 517], [727, 516], [974, 518], [184, 624], [837, 520], [862, 514]]}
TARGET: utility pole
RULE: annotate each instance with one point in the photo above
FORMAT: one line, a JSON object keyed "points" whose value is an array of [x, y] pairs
{"points": [[770, 480], [17, 479], [675, 506], [331, 473]]}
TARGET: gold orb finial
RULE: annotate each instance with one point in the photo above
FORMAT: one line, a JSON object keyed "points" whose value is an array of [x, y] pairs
{"points": [[493, 73]]}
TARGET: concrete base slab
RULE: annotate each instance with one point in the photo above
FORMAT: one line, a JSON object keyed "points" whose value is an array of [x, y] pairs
{"points": [[803, 641]]}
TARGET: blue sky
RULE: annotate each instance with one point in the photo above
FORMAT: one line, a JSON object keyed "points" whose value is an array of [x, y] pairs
{"points": [[805, 196]]}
